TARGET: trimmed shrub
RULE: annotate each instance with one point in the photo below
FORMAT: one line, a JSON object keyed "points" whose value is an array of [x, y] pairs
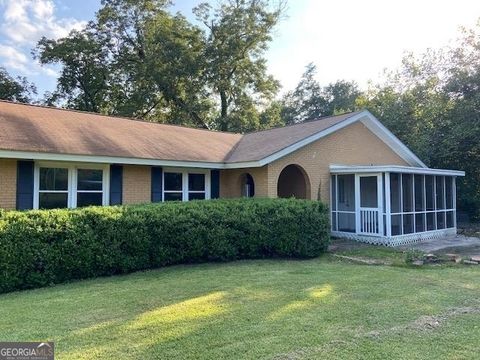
{"points": [[44, 247]]}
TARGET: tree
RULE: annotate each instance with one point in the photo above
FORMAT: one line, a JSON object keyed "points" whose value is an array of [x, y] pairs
{"points": [[309, 100], [157, 62], [15, 89], [236, 38], [341, 97], [306, 101], [135, 59], [432, 103], [83, 82]]}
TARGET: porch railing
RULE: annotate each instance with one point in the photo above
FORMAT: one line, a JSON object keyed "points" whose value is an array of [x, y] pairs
{"points": [[369, 221]]}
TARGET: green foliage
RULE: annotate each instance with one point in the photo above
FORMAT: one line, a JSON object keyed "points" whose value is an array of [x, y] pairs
{"points": [[237, 36], [432, 104], [309, 100], [39, 248], [412, 255], [15, 89], [137, 59], [83, 81]]}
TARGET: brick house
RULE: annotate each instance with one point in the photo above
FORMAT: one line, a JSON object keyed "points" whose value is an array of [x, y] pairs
{"points": [[377, 189]]}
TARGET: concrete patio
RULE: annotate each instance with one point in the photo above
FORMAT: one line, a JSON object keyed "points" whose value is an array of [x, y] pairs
{"points": [[459, 244]]}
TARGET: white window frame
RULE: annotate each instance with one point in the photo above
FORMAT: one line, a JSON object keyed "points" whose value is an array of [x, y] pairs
{"points": [[72, 181], [185, 190]]}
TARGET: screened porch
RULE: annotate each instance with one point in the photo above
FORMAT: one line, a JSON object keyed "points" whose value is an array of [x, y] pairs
{"points": [[392, 205]]}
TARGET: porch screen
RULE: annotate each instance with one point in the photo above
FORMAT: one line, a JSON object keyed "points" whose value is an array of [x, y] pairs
{"points": [[343, 203], [421, 203]]}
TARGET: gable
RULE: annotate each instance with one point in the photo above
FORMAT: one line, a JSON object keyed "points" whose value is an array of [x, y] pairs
{"points": [[355, 144], [318, 129]]}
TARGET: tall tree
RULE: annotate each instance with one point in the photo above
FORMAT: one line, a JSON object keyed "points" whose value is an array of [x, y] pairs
{"points": [[237, 35], [135, 59], [309, 100], [157, 62], [83, 81], [15, 89]]}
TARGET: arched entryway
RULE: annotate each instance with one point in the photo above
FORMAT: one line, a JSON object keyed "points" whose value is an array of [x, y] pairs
{"points": [[293, 182], [247, 185]]}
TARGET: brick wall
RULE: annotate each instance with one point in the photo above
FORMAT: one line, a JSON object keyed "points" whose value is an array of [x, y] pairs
{"points": [[8, 184], [230, 182], [352, 145], [136, 184]]}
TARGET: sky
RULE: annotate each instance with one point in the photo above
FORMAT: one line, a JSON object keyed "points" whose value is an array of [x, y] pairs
{"points": [[346, 39]]}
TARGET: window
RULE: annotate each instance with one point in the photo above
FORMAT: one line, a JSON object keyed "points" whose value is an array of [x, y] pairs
{"points": [[407, 192], [419, 222], [53, 188], [60, 186], [173, 187], [183, 185], [449, 192], [196, 186], [419, 193], [89, 187], [440, 192], [430, 191], [395, 192]]}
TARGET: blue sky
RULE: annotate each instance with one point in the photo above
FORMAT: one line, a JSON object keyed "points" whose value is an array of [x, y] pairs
{"points": [[346, 39]]}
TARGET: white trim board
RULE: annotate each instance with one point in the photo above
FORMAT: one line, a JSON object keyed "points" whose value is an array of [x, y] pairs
{"points": [[372, 123], [353, 169]]}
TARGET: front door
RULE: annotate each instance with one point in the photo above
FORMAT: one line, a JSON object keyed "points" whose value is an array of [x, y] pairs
{"points": [[369, 217]]}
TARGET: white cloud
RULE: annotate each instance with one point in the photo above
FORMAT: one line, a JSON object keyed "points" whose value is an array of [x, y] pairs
{"points": [[22, 24], [26, 21], [43, 9], [13, 58]]}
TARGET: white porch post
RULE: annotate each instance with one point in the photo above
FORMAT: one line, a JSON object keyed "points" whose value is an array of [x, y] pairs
{"points": [[454, 192], [380, 203], [388, 217], [357, 204]]}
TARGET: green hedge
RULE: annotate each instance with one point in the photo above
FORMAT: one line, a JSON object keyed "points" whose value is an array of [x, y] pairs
{"points": [[39, 248]]}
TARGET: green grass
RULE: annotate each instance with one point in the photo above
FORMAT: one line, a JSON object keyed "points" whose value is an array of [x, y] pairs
{"points": [[321, 308]]}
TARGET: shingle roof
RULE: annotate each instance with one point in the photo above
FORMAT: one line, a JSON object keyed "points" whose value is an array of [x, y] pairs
{"points": [[259, 145], [52, 130], [43, 129]]}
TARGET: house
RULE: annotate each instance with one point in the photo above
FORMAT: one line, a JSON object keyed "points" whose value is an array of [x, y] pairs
{"points": [[378, 190]]}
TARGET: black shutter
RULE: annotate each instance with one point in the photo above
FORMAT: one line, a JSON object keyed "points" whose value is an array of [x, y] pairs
{"points": [[25, 185], [215, 184], [157, 179], [116, 184]]}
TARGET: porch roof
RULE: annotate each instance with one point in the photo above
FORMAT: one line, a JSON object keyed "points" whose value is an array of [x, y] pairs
{"points": [[357, 169]]}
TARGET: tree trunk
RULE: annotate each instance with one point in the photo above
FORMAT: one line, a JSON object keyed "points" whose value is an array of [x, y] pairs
{"points": [[224, 111]]}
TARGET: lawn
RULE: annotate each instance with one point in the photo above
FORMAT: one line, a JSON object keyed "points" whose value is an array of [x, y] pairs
{"points": [[272, 309]]}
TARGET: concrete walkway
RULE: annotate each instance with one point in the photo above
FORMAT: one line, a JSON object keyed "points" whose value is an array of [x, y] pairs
{"points": [[461, 245]]}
